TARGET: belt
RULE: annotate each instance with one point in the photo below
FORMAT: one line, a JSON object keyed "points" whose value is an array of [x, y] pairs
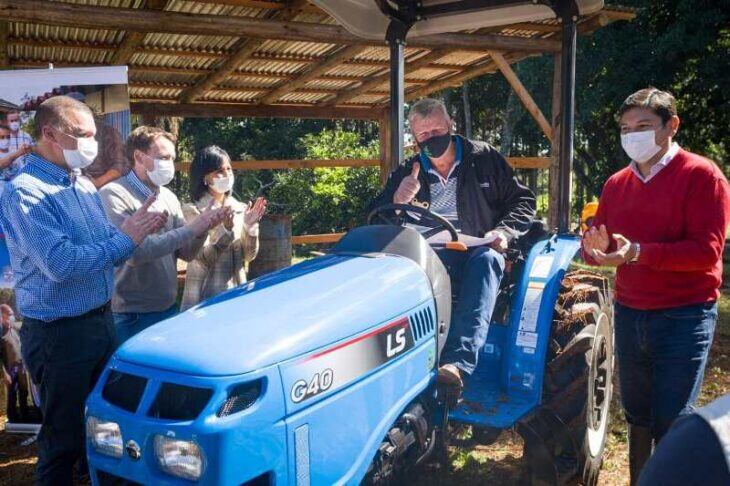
{"points": [[98, 311]]}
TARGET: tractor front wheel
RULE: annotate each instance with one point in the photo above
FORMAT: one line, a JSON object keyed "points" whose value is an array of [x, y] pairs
{"points": [[566, 436]]}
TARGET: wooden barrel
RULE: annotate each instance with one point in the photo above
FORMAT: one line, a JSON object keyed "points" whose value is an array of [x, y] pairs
{"points": [[274, 245]]}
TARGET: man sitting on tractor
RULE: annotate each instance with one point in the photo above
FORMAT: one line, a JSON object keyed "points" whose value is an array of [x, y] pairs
{"points": [[471, 185]]}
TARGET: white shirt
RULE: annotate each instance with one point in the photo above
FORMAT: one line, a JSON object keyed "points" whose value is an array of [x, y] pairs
{"points": [[663, 162]]}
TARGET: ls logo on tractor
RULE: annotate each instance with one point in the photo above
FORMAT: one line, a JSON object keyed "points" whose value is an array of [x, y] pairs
{"points": [[319, 383], [400, 339]]}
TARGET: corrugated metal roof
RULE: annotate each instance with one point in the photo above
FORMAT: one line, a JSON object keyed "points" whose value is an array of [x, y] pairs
{"points": [[165, 64]]}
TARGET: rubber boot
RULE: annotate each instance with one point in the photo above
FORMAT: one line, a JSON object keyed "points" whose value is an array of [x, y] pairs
{"points": [[640, 448]]}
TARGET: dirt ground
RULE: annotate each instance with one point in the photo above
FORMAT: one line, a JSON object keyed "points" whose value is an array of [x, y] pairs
{"points": [[471, 464]]}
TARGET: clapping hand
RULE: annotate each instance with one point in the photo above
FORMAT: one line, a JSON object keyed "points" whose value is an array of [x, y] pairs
{"points": [[254, 212], [143, 222], [596, 239], [596, 243]]}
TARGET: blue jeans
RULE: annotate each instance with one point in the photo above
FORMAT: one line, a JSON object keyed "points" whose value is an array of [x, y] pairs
{"points": [[689, 455], [661, 358], [130, 323], [475, 277]]}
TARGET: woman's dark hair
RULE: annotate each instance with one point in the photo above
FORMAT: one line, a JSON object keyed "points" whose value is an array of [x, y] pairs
{"points": [[207, 160]]}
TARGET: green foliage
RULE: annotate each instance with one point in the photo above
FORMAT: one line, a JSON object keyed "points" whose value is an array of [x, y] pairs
{"points": [[324, 200]]}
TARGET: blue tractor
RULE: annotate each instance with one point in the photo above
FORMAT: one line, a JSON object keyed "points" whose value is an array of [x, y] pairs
{"points": [[325, 372]]}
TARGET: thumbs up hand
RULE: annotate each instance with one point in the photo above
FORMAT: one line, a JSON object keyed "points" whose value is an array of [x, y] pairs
{"points": [[409, 186]]}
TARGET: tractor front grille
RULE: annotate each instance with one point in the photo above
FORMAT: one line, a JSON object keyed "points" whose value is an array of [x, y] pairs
{"points": [[106, 479], [422, 323], [124, 390], [179, 402], [241, 397]]}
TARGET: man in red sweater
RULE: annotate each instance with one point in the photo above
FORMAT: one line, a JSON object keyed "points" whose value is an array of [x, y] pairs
{"points": [[662, 222]]}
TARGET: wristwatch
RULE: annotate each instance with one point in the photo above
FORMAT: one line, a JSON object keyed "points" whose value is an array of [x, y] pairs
{"points": [[635, 258]]}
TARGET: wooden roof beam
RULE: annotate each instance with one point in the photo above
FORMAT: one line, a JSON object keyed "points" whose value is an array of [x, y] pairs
{"points": [[372, 82], [522, 93], [244, 48], [136, 20], [457, 79], [133, 40], [222, 110], [4, 34], [312, 73]]}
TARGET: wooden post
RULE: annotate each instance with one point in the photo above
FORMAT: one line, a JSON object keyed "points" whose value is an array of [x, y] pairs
{"points": [[554, 174], [521, 92], [4, 34], [384, 136]]}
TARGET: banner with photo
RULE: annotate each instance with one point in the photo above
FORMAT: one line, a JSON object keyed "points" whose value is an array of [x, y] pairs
{"points": [[105, 91]]}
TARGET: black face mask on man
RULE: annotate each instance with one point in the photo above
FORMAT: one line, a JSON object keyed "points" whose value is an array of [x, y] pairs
{"points": [[435, 146]]}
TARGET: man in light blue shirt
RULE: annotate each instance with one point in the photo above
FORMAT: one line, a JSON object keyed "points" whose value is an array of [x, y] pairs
{"points": [[63, 251]]}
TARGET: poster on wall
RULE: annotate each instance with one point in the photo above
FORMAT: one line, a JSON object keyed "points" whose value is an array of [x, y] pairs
{"points": [[105, 91]]}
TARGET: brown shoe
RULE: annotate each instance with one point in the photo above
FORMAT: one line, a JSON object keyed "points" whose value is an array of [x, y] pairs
{"points": [[450, 375]]}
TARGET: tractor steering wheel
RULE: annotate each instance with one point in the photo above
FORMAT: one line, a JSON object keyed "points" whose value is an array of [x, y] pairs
{"points": [[435, 222]]}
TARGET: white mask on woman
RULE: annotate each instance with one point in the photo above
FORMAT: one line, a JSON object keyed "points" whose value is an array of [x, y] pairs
{"points": [[222, 185], [640, 146]]}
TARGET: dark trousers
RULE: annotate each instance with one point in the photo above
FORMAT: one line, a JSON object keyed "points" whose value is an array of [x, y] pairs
{"points": [[65, 358], [475, 277], [690, 454], [661, 357]]}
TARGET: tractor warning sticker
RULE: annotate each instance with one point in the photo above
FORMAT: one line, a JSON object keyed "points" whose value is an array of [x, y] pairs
{"points": [[344, 363], [531, 307], [527, 339], [541, 267]]}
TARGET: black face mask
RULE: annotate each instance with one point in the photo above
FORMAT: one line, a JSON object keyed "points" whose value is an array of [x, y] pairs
{"points": [[435, 146]]}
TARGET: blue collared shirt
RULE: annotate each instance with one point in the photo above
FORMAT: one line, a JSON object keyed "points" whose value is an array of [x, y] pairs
{"points": [[62, 247], [443, 190], [139, 186]]}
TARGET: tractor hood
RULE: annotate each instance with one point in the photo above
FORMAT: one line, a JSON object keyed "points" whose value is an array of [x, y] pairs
{"points": [[281, 316], [365, 19]]}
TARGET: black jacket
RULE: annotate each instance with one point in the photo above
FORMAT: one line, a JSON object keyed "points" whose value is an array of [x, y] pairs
{"points": [[488, 196]]}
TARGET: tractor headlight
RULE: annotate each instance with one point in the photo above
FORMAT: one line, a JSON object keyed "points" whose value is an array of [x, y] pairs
{"points": [[181, 458], [105, 437]]}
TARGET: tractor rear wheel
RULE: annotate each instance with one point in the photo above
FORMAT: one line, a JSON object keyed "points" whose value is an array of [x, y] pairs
{"points": [[566, 436]]}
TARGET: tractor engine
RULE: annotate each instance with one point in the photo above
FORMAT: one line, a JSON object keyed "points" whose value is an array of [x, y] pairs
{"points": [[411, 440]]}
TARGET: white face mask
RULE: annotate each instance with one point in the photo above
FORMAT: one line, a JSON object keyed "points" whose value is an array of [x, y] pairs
{"points": [[86, 151], [222, 185], [640, 146], [14, 126], [163, 173]]}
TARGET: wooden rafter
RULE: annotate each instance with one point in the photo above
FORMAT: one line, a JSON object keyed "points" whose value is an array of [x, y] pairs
{"points": [[95, 17], [312, 73], [376, 80], [243, 50], [213, 110], [142, 69], [133, 40], [200, 54], [522, 93], [456, 79], [262, 5]]}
